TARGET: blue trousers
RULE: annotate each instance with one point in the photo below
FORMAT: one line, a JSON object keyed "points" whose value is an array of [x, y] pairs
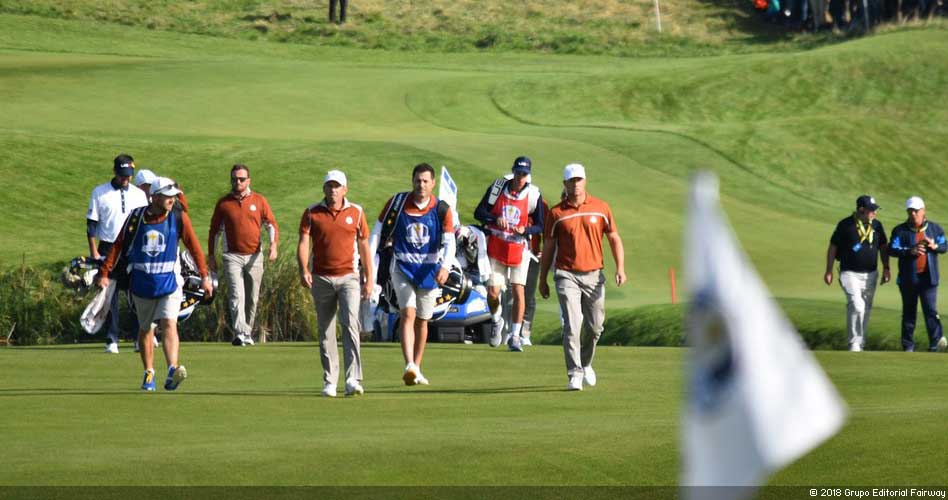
{"points": [[114, 333], [911, 293]]}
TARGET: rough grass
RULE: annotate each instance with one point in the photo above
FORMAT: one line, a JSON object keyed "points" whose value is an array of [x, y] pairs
{"points": [[615, 27]]}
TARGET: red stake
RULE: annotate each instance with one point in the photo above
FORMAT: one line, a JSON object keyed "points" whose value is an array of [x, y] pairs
{"points": [[671, 277]]}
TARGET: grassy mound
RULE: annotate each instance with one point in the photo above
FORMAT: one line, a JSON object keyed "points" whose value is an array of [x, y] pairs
{"points": [[612, 27]]}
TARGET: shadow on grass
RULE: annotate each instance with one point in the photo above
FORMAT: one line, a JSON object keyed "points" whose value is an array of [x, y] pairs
{"points": [[486, 390], [315, 392]]}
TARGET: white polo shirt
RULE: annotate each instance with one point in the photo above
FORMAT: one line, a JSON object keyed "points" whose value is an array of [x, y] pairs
{"points": [[110, 207]]}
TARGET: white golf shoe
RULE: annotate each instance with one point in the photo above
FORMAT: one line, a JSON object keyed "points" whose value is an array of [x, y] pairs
{"points": [[589, 376]]}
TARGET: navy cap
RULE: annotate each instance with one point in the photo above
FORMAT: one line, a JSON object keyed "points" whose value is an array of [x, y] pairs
{"points": [[522, 164], [124, 165], [867, 202]]}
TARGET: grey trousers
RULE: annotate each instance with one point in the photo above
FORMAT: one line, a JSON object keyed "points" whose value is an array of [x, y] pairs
{"points": [[330, 294], [582, 303], [244, 273], [860, 288]]}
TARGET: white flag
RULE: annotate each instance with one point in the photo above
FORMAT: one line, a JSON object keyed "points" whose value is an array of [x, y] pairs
{"points": [[757, 399], [448, 191]]}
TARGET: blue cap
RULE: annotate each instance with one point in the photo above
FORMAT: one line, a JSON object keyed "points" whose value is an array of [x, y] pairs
{"points": [[522, 164]]}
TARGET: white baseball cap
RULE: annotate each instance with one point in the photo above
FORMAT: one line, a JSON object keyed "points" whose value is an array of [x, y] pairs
{"points": [[335, 175], [574, 170], [145, 177], [914, 203], [165, 187]]}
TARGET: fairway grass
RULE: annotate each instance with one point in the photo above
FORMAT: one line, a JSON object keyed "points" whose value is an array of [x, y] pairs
{"points": [[253, 416]]}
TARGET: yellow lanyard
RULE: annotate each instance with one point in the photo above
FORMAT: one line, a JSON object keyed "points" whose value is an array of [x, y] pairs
{"points": [[922, 229], [865, 233]]}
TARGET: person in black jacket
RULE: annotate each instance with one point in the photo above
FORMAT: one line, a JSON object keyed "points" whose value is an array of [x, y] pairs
{"points": [[858, 243], [342, 11], [917, 243]]}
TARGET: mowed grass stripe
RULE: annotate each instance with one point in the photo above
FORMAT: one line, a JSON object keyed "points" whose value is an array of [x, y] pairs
{"points": [[254, 417]]}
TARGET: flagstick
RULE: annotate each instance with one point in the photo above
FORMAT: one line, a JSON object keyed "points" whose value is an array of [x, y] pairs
{"points": [[658, 17]]}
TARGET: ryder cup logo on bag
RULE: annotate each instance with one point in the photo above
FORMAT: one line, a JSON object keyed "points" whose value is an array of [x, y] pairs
{"points": [[418, 235], [511, 214], [154, 243]]}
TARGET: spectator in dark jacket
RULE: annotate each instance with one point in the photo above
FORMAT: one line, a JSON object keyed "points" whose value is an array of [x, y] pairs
{"points": [[917, 243]]}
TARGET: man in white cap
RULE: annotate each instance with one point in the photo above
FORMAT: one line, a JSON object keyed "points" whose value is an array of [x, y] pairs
{"points": [[240, 216], [573, 236], [145, 178], [150, 242], [333, 231], [109, 206], [917, 243], [858, 243]]}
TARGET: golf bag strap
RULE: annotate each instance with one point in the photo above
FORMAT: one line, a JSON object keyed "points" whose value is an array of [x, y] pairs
{"points": [[388, 222], [135, 220], [495, 190]]}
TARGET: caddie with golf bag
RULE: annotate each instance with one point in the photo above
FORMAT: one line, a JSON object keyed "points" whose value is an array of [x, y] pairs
{"points": [[145, 255]]}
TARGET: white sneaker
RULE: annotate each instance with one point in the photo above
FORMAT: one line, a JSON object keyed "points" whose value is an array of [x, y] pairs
{"points": [[525, 341], [420, 379], [111, 348], [247, 340], [575, 383], [496, 332], [855, 347], [514, 344], [354, 389], [410, 376], [942, 345], [329, 390], [589, 376]]}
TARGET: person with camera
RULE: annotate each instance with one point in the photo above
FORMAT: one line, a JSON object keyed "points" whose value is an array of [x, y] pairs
{"points": [[917, 243], [147, 246]]}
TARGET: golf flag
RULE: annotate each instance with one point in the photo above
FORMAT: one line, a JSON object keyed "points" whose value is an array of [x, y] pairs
{"points": [[448, 191], [757, 399]]}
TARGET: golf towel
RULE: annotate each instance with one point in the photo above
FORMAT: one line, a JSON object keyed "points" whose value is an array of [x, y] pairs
{"points": [[97, 311]]}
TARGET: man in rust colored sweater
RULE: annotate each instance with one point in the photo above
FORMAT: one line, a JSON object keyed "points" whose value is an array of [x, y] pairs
{"points": [[240, 216], [335, 233]]}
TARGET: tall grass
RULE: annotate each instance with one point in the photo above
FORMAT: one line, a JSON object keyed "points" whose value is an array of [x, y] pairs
{"points": [[38, 309], [613, 27], [35, 308]]}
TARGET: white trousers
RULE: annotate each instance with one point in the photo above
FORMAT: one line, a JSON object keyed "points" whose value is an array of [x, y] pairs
{"points": [[859, 289]]}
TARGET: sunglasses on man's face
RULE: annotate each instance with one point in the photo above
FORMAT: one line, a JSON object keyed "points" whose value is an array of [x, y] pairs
{"points": [[239, 179]]}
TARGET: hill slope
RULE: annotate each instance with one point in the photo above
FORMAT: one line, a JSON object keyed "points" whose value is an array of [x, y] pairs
{"points": [[615, 27], [190, 106]]}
